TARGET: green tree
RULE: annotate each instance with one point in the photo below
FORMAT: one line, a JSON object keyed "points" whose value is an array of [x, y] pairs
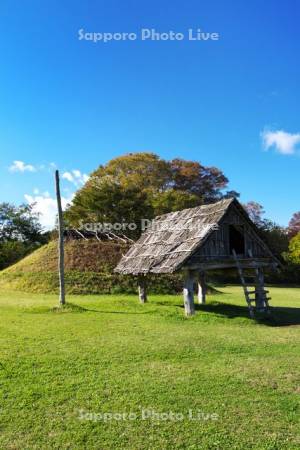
{"points": [[103, 201], [19, 223], [20, 232], [142, 185], [294, 249], [173, 200], [275, 236], [142, 170]]}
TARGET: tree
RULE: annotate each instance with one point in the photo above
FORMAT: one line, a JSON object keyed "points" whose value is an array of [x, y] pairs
{"points": [[204, 182], [104, 201], [294, 249], [142, 185], [20, 233], [19, 223], [231, 194], [273, 234], [144, 170], [13, 251], [173, 200], [256, 212], [294, 225]]}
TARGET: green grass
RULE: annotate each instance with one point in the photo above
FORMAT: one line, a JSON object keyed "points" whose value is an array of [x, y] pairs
{"points": [[105, 354]]}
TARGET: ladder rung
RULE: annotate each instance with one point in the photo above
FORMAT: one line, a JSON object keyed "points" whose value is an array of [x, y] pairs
{"points": [[258, 292], [254, 299]]}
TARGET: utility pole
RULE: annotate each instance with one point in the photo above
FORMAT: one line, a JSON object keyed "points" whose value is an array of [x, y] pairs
{"points": [[61, 268]]}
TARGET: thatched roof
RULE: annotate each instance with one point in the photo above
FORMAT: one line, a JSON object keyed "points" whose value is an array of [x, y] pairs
{"points": [[173, 238]]}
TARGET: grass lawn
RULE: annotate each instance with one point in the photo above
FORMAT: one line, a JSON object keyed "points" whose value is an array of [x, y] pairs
{"points": [[109, 354]]}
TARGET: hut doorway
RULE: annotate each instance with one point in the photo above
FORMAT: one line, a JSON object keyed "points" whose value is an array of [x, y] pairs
{"points": [[236, 240]]}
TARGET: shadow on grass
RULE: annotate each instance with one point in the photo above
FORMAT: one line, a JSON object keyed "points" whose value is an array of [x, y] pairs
{"points": [[68, 307], [71, 307], [279, 316]]}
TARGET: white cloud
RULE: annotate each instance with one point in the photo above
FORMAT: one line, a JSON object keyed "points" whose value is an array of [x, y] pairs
{"points": [[283, 142], [46, 206], [75, 177], [20, 166], [77, 173], [68, 176]]}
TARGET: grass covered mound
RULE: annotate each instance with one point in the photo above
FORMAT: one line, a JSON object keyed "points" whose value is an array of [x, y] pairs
{"points": [[83, 255], [89, 268], [62, 371]]}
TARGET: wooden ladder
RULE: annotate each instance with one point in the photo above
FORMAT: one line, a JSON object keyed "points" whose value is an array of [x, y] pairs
{"points": [[260, 302]]}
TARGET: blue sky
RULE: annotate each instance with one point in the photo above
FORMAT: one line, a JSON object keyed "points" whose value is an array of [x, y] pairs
{"points": [[231, 103]]}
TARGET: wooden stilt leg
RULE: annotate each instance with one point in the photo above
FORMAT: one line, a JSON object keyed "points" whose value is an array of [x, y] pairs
{"points": [[142, 289], [201, 288], [188, 294], [260, 286]]}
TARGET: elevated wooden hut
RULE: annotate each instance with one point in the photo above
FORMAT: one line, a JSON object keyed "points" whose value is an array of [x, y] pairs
{"points": [[214, 236]]}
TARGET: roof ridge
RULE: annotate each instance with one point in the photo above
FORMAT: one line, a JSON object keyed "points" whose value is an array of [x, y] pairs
{"points": [[204, 206]]}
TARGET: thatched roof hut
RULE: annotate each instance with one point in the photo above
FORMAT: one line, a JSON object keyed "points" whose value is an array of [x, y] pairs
{"points": [[201, 237], [214, 236]]}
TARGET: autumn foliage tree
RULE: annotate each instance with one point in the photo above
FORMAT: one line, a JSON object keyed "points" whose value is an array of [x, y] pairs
{"points": [[294, 225], [143, 185], [205, 183], [256, 212], [273, 234]]}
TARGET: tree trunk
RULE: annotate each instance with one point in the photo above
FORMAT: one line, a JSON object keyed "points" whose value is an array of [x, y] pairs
{"points": [[188, 294], [62, 299]]}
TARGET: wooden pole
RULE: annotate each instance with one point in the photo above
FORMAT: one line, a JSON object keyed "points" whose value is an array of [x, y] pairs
{"points": [[142, 289], [188, 294], [260, 286], [61, 270], [201, 288]]}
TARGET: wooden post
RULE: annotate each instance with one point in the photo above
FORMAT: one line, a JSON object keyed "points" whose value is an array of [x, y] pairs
{"points": [[62, 299], [201, 288], [259, 287], [188, 294], [142, 289]]}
